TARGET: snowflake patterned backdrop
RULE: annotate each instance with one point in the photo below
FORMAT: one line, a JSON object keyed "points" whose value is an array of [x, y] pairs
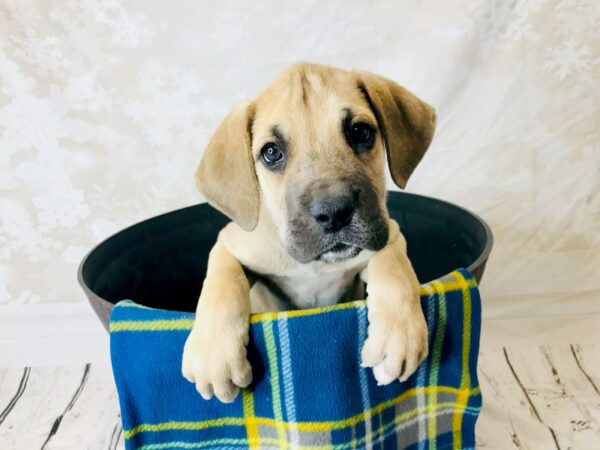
{"points": [[105, 107]]}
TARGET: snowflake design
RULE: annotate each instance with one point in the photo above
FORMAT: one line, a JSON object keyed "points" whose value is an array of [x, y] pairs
{"points": [[30, 121], [567, 59], [61, 207], [129, 30], [172, 107], [520, 28], [574, 16], [23, 38], [42, 51], [104, 18], [58, 52], [18, 233], [498, 22], [13, 80]]}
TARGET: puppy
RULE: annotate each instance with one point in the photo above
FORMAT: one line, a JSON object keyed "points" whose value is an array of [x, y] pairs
{"points": [[301, 172]]}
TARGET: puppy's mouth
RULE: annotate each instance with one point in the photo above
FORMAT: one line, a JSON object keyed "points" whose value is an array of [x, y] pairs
{"points": [[339, 252]]}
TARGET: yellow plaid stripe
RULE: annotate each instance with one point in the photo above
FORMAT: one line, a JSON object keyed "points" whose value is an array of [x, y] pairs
{"points": [[456, 283], [151, 325], [436, 357], [248, 406], [465, 379], [177, 425], [249, 419], [268, 316], [186, 324]]}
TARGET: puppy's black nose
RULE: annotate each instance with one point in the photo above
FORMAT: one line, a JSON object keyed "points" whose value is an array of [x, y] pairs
{"points": [[334, 212]]}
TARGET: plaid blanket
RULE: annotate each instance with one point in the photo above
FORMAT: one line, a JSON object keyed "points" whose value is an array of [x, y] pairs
{"points": [[309, 391]]}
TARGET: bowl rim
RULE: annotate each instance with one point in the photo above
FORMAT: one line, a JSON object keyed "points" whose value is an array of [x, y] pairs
{"points": [[476, 264]]}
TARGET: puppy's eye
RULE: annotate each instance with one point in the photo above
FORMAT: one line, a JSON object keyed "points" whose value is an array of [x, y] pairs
{"points": [[360, 136], [361, 133], [271, 154]]}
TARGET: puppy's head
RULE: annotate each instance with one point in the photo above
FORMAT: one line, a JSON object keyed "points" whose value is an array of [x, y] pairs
{"points": [[310, 153]]}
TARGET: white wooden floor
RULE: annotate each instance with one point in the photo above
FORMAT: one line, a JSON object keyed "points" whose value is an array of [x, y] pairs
{"points": [[60, 408], [540, 397], [535, 397]]}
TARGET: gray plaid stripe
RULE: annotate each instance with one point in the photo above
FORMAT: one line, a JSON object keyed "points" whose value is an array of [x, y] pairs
{"points": [[300, 437]]}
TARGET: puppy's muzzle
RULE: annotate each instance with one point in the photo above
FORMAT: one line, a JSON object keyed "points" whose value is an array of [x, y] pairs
{"points": [[332, 205], [334, 219]]}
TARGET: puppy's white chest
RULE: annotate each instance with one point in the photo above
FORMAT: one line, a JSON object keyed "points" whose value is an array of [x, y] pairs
{"points": [[313, 287]]}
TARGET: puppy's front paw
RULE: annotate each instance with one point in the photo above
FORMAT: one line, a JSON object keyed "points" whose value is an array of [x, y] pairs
{"points": [[216, 361], [396, 344]]}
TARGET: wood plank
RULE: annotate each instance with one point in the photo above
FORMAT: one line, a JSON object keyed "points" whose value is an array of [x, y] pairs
{"points": [[94, 418], [56, 426], [562, 397], [578, 385], [116, 441], [13, 384], [587, 359], [508, 419], [34, 417], [493, 430]]}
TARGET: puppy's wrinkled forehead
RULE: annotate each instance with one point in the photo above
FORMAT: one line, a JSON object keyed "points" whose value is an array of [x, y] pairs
{"points": [[306, 103]]}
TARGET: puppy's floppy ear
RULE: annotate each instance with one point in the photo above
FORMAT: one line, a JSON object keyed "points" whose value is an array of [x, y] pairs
{"points": [[406, 123], [226, 174]]}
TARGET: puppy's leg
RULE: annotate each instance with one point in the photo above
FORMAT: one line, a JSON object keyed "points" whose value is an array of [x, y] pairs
{"points": [[214, 356], [397, 335]]}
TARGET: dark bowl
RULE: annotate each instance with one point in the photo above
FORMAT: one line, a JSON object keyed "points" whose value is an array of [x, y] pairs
{"points": [[161, 262]]}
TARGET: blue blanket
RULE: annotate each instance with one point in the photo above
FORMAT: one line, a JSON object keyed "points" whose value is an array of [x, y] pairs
{"points": [[309, 391]]}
